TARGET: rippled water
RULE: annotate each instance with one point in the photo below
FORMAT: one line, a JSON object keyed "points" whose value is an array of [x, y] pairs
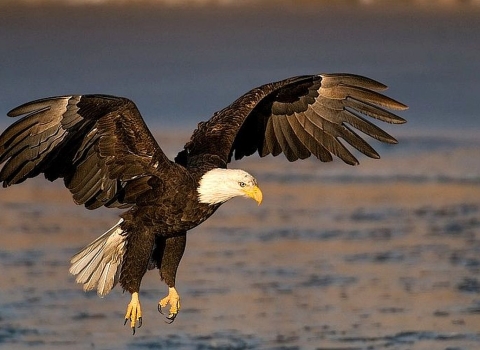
{"points": [[322, 264]]}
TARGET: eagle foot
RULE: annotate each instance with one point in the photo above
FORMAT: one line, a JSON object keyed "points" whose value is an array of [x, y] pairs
{"points": [[134, 313], [174, 300]]}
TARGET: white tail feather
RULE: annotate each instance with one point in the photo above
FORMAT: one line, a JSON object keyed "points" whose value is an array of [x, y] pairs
{"points": [[98, 265]]}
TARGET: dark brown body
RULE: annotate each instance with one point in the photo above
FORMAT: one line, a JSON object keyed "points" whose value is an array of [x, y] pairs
{"points": [[157, 233]]}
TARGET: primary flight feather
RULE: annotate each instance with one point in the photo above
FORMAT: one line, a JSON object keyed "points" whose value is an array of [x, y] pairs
{"points": [[101, 148]]}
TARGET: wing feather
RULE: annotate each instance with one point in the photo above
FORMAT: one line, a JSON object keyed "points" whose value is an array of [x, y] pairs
{"points": [[96, 143], [290, 149], [372, 111], [366, 127], [310, 140], [299, 116], [271, 139], [306, 133], [295, 140], [281, 141], [327, 133]]}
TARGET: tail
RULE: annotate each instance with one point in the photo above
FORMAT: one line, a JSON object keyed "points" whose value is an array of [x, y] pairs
{"points": [[98, 265]]}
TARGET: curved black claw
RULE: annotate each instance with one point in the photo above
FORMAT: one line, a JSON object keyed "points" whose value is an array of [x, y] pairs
{"points": [[133, 328], [171, 318]]}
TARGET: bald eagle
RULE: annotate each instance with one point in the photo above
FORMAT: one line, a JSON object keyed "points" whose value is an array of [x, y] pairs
{"points": [[106, 155]]}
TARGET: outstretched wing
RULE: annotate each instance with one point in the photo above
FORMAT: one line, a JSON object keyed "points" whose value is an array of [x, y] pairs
{"points": [[300, 116], [98, 144]]}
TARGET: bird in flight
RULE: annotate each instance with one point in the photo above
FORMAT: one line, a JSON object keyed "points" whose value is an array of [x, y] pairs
{"points": [[104, 152]]}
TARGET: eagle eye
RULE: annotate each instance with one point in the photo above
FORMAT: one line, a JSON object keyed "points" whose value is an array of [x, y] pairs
{"points": [[242, 184]]}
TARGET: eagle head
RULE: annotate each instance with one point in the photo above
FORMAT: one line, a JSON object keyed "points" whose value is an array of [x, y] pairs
{"points": [[219, 185]]}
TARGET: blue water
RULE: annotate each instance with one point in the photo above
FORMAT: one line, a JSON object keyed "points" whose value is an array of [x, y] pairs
{"points": [[181, 64]]}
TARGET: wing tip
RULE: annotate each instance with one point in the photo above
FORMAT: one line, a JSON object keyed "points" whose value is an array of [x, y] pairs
{"points": [[398, 106], [354, 80]]}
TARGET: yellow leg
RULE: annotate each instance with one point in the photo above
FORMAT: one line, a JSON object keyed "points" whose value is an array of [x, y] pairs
{"points": [[134, 312], [174, 300]]}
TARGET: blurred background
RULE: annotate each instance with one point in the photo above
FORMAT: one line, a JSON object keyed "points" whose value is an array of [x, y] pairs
{"points": [[383, 255], [181, 60]]}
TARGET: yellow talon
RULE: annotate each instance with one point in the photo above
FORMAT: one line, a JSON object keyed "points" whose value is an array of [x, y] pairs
{"points": [[134, 312], [174, 300]]}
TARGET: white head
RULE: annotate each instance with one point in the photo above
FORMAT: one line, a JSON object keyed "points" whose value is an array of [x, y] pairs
{"points": [[219, 185]]}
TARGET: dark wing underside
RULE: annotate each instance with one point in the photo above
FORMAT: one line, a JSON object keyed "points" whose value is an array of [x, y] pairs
{"points": [[300, 116], [98, 144]]}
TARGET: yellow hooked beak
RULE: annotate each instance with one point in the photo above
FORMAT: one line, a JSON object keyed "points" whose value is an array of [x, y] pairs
{"points": [[254, 193]]}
